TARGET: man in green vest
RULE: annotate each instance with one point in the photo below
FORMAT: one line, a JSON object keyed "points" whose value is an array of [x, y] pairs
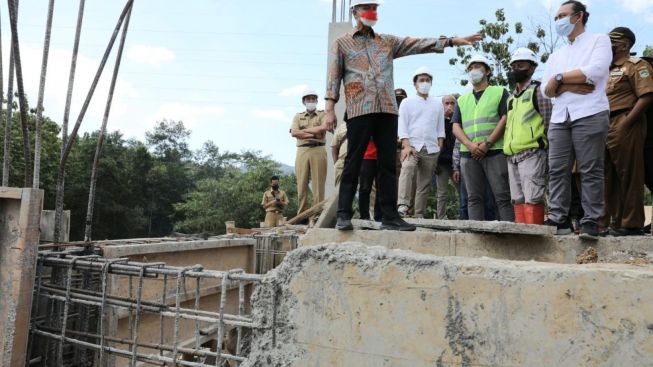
{"points": [[479, 122], [525, 141]]}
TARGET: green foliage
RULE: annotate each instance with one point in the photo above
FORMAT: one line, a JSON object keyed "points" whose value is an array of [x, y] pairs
{"points": [[500, 40], [648, 51]]}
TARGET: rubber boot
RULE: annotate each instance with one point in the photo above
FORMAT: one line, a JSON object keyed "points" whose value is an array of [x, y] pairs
{"points": [[534, 213], [519, 213]]}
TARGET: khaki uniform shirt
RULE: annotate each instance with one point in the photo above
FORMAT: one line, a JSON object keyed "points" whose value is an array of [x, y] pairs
{"points": [[270, 196], [340, 141], [306, 120], [629, 80]]}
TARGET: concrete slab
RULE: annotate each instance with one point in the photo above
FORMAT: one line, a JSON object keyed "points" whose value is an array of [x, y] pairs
{"points": [[469, 226], [363, 306], [557, 249]]}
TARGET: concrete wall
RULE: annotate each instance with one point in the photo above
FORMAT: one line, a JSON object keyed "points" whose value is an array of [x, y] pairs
{"points": [[558, 249], [47, 226], [369, 306]]}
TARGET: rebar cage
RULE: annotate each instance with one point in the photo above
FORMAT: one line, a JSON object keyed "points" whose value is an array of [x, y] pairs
{"points": [[93, 311]]}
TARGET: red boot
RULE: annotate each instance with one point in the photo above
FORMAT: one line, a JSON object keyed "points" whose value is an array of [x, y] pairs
{"points": [[519, 213], [534, 213]]}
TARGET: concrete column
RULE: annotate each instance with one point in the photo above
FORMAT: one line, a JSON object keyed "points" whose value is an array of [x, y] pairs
{"points": [[20, 215], [336, 29]]}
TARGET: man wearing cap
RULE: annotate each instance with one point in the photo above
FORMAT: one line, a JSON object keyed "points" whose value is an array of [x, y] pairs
{"points": [[363, 61], [274, 202], [525, 141], [479, 122], [579, 121], [311, 161], [421, 130], [630, 92]]}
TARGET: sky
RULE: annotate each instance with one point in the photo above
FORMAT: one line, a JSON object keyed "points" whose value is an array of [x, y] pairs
{"points": [[233, 71]]}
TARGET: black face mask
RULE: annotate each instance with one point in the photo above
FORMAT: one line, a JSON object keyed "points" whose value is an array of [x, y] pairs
{"points": [[275, 187], [518, 75]]}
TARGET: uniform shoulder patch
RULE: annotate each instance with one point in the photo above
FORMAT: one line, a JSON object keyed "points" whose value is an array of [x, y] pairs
{"points": [[634, 59], [644, 73]]}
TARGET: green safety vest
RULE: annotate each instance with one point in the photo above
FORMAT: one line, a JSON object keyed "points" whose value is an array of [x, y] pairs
{"points": [[479, 119], [525, 126]]}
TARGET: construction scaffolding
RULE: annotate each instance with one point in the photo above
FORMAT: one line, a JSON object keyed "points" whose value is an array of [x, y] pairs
{"points": [[109, 305]]}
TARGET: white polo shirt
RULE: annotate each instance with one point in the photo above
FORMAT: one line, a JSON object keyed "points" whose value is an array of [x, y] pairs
{"points": [[421, 121], [592, 54]]}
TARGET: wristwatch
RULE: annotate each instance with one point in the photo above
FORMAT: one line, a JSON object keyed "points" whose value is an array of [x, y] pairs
{"points": [[559, 78]]}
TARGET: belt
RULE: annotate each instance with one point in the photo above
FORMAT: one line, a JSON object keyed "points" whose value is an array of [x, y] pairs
{"points": [[311, 145], [619, 112], [275, 211]]}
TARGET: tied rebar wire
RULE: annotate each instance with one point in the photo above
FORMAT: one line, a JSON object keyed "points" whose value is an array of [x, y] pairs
{"points": [[100, 141], [22, 102], [73, 135], [6, 163], [108, 295], [36, 177], [58, 215]]}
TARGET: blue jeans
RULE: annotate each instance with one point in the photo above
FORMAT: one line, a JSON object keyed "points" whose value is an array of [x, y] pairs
{"points": [[490, 208]]}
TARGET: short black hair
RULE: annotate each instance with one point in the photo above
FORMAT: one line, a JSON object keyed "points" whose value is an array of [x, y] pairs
{"points": [[578, 7], [275, 177]]}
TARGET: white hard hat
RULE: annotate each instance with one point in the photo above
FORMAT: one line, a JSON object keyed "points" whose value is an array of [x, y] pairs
{"points": [[480, 59], [422, 70], [309, 92], [361, 2], [524, 54]]}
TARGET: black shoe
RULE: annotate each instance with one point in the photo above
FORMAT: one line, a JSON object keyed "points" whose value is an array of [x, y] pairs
{"points": [[561, 228], [397, 225], [589, 231], [621, 232], [344, 224]]}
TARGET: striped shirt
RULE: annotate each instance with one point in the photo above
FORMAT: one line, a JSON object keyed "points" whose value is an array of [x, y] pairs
{"points": [[364, 62]]}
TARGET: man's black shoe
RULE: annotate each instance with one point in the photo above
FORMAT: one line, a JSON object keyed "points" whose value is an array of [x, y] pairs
{"points": [[589, 231], [397, 225], [621, 232], [561, 228], [344, 224]]}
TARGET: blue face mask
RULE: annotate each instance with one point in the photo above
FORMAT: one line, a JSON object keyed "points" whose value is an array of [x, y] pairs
{"points": [[564, 26]]}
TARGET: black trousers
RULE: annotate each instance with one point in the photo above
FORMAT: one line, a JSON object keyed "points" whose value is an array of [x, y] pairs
{"points": [[369, 177], [383, 128]]}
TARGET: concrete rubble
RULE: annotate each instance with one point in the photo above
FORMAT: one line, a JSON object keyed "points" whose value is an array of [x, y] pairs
{"points": [[355, 305]]}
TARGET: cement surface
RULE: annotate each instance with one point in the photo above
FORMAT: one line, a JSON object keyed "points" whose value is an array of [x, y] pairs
{"points": [[469, 226], [557, 249], [354, 305]]}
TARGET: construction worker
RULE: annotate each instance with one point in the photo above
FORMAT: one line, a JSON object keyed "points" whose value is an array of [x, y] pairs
{"points": [[339, 150], [421, 130], [579, 119], [311, 161], [274, 202], [630, 92], [479, 122], [525, 141], [488, 202], [444, 171], [363, 61]]}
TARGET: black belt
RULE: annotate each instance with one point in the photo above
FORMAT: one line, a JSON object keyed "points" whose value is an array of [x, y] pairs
{"points": [[312, 145], [619, 112]]}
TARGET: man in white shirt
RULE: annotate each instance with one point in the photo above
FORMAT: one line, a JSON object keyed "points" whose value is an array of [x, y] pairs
{"points": [[421, 131], [576, 77]]}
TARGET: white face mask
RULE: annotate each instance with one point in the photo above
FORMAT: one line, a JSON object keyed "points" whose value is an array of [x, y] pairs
{"points": [[368, 22], [564, 26], [476, 76], [424, 87], [311, 106]]}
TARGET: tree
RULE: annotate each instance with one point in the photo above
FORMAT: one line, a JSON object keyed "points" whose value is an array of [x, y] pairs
{"points": [[236, 195], [648, 51], [499, 44]]}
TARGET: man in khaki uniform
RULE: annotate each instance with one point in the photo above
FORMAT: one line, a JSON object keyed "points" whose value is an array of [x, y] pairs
{"points": [[339, 150], [630, 92], [311, 161], [274, 202]]}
